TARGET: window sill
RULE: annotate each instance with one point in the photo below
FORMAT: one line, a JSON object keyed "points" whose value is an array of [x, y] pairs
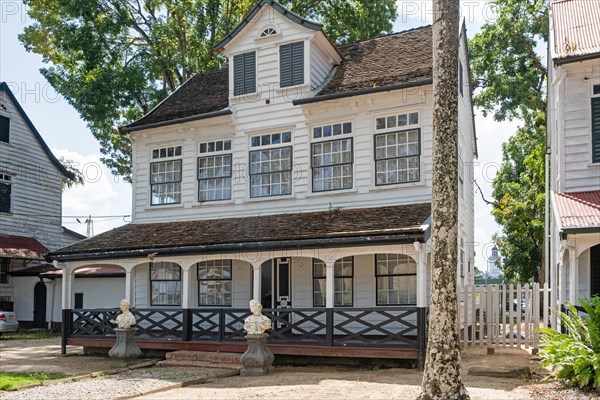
{"points": [[332, 192], [212, 203], [392, 186], [594, 165], [163, 206], [269, 198], [293, 87]]}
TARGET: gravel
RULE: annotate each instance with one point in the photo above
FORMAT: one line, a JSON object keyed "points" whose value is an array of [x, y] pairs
{"points": [[124, 384]]}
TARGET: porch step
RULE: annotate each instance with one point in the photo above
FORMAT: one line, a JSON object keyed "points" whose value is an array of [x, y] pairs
{"points": [[204, 359]]}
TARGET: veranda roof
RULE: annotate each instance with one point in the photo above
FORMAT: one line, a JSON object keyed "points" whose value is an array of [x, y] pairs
{"points": [[579, 211], [335, 227]]}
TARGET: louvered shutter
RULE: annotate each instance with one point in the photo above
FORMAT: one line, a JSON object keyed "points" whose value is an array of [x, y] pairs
{"points": [[291, 64], [595, 270], [244, 73], [596, 130]]}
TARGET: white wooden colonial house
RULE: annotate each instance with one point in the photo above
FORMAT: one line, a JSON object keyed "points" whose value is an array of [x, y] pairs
{"points": [[30, 212], [299, 176], [574, 148]]}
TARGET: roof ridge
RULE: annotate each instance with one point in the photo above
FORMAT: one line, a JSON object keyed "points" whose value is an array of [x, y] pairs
{"points": [[387, 35], [573, 196]]}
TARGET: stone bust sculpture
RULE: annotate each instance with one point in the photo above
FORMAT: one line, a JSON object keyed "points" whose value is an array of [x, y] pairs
{"points": [[256, 324], [126, 319]]}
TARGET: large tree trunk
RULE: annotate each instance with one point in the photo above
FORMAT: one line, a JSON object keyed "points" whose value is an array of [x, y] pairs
{"points": [[442, 378]]}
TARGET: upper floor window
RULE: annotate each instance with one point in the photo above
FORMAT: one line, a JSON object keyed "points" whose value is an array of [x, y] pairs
{"points": [[4, 265], [596, 124], [244, 73], [332, 159], [214, 283], [461, 78], [291, 64], [165, 176], [214, 171], [165, 284], [397, 152], [271, 167], [268, 32], [4, 129], [396, 279], [5, 192]]}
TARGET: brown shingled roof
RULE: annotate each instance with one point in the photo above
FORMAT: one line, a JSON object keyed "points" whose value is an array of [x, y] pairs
{"points": [[257, 232], [203, 93], [388, 60], [401, 58]]}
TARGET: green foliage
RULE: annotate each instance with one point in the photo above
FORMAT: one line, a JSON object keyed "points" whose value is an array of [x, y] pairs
{"points": [[519, 207], [114, 60], [77, 175], [13, 380], [36, 335], [575, 356], [506, 68]]}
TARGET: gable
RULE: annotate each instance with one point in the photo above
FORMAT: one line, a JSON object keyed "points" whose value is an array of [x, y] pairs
{"points": [[8, 95]]}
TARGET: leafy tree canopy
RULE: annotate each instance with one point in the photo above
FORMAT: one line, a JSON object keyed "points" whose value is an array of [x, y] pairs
{"points": [[114, 60], [509, 78]]}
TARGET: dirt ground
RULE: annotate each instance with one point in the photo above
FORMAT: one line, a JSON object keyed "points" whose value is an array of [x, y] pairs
{"points": [[309, 383]]}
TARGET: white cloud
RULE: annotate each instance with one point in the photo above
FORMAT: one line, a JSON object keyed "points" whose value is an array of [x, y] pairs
{"points": [[103, 196]]}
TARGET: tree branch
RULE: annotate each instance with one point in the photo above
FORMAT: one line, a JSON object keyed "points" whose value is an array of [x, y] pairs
{"points": [[492, 203]]}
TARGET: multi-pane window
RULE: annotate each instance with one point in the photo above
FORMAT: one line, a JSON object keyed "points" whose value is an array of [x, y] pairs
{"points": [[214, 171], [461, 174], [268, 32], [596, 124], [5, 193], [165, 176], [291, 64], [461, 257], [4, 264], [4, 129], [244, 73], [461, 81], [397, 152], [165, 284], [396, 276], [332, 159], [343, 272], [271, 168], [214, 283]]}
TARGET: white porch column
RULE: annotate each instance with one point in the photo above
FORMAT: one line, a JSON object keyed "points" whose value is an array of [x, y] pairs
{"points": [[129, 293], [185, 287], [67, 292], [329, 284], [421, 274], [562, 279], [573, 275], [256, 281]]}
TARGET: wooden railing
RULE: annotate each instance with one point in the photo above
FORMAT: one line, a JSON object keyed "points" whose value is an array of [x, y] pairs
{"points": [[378, 327]]}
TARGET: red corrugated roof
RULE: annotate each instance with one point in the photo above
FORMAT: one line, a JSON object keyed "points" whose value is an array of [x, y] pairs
{"points": [[21, 247], [578, 209], [576, 27]]}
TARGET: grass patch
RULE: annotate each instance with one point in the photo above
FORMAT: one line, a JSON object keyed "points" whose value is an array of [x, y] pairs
{"points": [[13, 380], [35, 335]]}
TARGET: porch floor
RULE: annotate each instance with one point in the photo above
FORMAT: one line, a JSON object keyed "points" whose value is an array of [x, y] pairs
{"points": [[240, 347]]}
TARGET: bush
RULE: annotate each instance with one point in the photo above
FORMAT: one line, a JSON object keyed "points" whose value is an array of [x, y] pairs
{"points": [[575, 356]]}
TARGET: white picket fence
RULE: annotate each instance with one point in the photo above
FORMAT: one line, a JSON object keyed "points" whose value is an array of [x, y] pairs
{"points": [[499, 316]]}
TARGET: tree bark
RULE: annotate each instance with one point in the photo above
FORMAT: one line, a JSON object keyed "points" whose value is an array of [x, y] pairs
{"points": [[442, 377]]}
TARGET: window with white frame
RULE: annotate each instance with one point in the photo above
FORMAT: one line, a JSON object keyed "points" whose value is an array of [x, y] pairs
{"points": [[214, 171], [165, 176], [343, 282], [4, 129], [596, 124], [165, 284], [396, 277], [270, 166], [461, 174], [214, 283], [291, 64], [4, 266], [5, 192], [397, 149], [461, 257], [332, 158]]}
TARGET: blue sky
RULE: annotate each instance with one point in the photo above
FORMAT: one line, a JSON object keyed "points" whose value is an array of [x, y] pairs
{"points": [[108, 198]]}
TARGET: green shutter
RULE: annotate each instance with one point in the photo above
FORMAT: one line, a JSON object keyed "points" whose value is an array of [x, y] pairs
{"points": [[596, 130], [244, 73], [4, 129], [291, 64]]}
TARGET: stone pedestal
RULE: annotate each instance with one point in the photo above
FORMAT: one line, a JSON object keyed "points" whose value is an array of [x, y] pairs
{"points": [[125, 347], [258, 358]]}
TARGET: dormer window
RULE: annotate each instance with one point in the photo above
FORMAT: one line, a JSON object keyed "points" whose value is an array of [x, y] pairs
{"points": [[268, 32], [244, 73], [291, 64]]}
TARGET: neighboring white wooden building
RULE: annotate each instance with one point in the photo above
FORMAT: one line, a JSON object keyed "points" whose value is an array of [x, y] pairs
{"points": [[574, 149], [30, 206], [299, 176]]}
